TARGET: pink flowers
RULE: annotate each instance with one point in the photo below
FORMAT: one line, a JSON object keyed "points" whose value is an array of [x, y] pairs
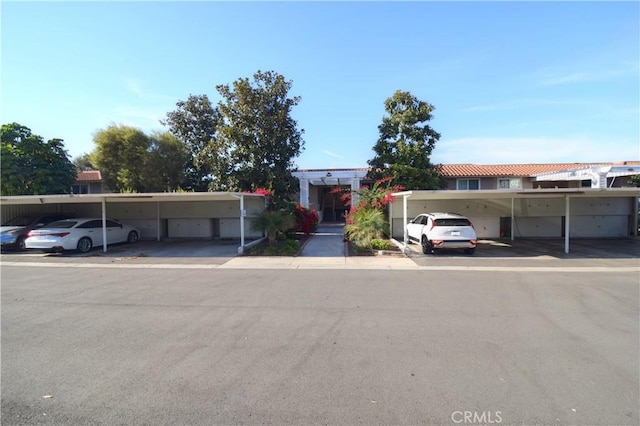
{"points": [[306, 219], [377, 196], [261, 191]]}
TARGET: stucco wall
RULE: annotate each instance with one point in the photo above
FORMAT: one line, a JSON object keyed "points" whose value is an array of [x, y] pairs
{"points": [[183, 219], [534, 217]]}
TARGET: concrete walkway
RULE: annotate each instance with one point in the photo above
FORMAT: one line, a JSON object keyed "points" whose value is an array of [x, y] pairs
{"points": [[328, 241]]}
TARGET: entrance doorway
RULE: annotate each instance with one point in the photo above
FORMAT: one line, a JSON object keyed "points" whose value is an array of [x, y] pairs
{"points": [[331, 204]]}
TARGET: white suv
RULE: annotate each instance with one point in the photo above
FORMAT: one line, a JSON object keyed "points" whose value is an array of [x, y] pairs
{"points": [[442, 230]]}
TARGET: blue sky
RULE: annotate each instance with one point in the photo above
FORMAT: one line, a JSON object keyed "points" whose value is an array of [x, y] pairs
{"points": [[511, 82]]}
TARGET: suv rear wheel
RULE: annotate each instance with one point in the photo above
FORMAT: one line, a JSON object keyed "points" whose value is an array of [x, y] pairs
{"points": [[427, 248]]}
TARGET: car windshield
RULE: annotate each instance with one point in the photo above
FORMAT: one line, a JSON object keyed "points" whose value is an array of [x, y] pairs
{"points": [[19, 221], [62, 224], [452, 222]]}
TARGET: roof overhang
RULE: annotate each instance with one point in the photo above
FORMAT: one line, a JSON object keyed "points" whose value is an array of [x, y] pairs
{"points": [[586, 173], [331, 177], [507, 194], [126, 198]]}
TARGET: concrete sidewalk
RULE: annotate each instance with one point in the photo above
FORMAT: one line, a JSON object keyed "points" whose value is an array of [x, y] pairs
{"points": [[327, 241], [326, 249]]}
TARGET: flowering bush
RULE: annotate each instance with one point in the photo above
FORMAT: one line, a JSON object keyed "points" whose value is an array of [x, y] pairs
{"points": [[262, 191], [377, 196], [366, 221], [306, 219]]}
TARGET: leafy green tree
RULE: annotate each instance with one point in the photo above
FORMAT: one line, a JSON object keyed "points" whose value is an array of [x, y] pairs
{"points": [[84, 162], [131, 161], [120, 156], [195, 123], [30, 166], [405, 144], [259, 134], [164, 163]]}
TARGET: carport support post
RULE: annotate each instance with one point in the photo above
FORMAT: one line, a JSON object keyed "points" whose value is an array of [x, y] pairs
{"points": [[566, 224], [634, 216], [390, 220], [513, 218], [242, 215], [104, 225], [404, 220], [158, 220]]}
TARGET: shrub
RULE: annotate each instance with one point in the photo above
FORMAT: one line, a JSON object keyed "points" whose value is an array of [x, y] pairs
{"points": [[279, 248], [365, 225], [306, 219], [378, 244], [272, 222]]}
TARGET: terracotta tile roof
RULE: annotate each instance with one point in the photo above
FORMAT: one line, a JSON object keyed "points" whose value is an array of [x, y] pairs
{"points": [[517, 170], [89, 176]]}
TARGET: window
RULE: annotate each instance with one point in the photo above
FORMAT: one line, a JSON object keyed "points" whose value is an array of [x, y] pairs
{"points": [[91, 224], [509, 183], [420, 220], [468, 184], [80, 189], [452, 222]]}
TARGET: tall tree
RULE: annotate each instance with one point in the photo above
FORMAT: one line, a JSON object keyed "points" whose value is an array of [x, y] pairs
{"points": [[258, 132], [131, 161], [120, 156], [195, 123], [30, 166], [164, 163], [405, 144], [84, 162]]}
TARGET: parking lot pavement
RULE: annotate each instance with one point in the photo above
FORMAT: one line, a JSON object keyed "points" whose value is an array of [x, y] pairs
{"points": [[623, 248], [143, 252], [298, 347], [222, 253]]}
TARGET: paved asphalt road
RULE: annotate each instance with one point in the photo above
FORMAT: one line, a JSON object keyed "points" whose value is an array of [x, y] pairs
{"points": [[228, 346]]}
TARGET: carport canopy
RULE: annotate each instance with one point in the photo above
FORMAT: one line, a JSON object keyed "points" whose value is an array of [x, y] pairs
{"points": [[160, 197], [567, 194]]}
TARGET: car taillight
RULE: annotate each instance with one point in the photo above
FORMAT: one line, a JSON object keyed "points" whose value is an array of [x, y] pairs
{"points": [[54, 234], [474, 242], [433, 225], [436, 242]]}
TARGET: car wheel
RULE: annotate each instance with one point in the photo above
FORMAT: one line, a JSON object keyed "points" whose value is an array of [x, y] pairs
{"points": [[20, 244], [470, 250], [132, 237], [85, 245], [427, 248]]}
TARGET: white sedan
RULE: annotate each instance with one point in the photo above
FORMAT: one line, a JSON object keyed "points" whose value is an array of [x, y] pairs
{"points": [[80, 234]]}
